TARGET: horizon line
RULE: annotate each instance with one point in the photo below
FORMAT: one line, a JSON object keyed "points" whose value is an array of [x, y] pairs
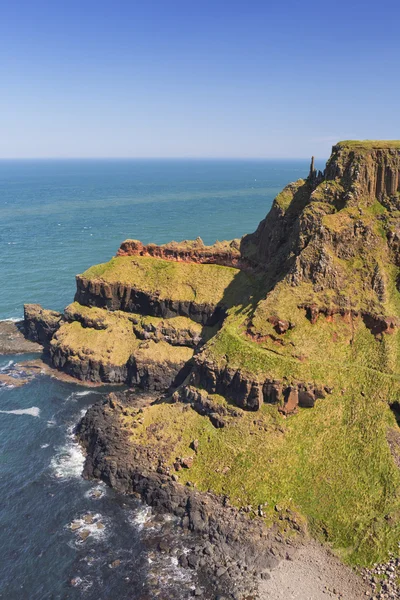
{"points": [[4, 158]]}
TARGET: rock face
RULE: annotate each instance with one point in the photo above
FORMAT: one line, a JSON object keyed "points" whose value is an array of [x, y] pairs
{"points": [[250, 393], [337, 232], [226, 254], [127, 298], [13, 340], [41, 324], [233, 549], [371, 172], [332, 239]]}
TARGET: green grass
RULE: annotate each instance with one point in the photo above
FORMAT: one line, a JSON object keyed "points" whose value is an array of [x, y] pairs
{"points": [[203, 284], [103, 318], [370, 144], [117, 342], [112, 346], [331, 463]]}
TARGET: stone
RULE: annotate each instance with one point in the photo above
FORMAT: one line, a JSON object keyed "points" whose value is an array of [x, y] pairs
{"points": [[187, 462], [115, 563]]}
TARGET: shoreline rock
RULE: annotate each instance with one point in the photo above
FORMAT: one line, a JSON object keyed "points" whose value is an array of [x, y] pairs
{"points": [[233, 551], [14, 341], [118, 296]]}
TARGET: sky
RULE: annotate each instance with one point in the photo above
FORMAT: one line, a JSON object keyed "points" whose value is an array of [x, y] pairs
{"points": [[172, 78]]}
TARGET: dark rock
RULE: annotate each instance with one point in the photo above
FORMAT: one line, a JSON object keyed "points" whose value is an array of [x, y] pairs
{"points": [[40, 324], [114, 296], [231, 541]]}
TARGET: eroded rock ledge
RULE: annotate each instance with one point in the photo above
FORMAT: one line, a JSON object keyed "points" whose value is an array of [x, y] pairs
{"points": [[226, 254], [124, 297], [233, 551], [250, 393]]}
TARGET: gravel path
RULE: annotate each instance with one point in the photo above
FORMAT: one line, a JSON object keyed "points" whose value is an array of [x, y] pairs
{"points": [[313, 574]]}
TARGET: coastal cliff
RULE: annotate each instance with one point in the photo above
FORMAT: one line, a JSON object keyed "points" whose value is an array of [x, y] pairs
{"points": [[275, 357]]}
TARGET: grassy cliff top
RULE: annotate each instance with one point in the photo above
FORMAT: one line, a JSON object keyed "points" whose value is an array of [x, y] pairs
{"points": [[370, 144], [113, 345], [103, 319], [201, 283]]}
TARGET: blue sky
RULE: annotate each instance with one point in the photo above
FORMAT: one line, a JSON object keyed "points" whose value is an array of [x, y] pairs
{"points": [[196, 79]]}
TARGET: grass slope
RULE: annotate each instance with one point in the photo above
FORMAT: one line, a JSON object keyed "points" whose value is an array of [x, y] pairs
{"points": [[204, 284]]}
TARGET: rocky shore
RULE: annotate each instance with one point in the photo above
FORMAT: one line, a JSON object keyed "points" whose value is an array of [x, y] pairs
{"points": [[276, 358], [13, 339], [234, 556]]}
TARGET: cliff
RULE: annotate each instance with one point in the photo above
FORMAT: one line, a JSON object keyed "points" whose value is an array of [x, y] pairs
{"points": [[277, 354]]}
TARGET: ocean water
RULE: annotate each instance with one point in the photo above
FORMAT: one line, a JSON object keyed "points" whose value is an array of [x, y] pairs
{"points": [[56, 219]]}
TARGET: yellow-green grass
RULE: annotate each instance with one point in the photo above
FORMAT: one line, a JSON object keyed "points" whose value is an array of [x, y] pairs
{"points": [[331, 464], [105, 318], [370, 144], [177, 281], [113, 345], [162, 352], [117, 342]]}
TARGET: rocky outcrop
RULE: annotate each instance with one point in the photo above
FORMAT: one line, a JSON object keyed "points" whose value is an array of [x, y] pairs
{"points": [[41, 324], [233, 550], [377, 324], [368, 170], [338, 231], [181, 333], [226, 254], [204, 405], [125, 297], [13, 340], [86, 368], [250, 393], [145, 368]]}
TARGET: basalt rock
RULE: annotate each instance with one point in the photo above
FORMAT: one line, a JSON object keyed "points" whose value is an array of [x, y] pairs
{"points": [[224, 535], [337, 231], [249, 393], [377, 324], [226, 254], [41, 324], [125, 297], [204, 405], [144, 369]]}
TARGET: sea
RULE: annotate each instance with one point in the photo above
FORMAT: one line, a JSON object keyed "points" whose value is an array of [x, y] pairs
{"points": [[57, 218]]}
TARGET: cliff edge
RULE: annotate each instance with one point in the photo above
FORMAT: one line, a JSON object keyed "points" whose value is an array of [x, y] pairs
{"points": [[277, 355]]}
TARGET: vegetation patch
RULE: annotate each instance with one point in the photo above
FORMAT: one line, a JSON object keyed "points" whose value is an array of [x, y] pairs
{"points": [[200, 283]]}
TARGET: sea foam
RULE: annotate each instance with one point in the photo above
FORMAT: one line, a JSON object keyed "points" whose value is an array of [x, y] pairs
{"points": [[34, 411]]}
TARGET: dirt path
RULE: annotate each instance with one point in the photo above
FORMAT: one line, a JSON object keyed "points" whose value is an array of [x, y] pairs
{"points": [[313, 574]]}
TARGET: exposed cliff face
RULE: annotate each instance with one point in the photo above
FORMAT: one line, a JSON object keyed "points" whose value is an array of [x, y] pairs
{"points": [[226, 537], [147, 368], [226, 254], [250, 392], [338, 234], [367, 171], [117, 296], [41, 324]]}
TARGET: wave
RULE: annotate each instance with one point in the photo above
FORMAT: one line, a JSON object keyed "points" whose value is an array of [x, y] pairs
{"points": [[76, 395], [139, 518], [12, 319], [69, 461], [96, 492], [34, 411], [7, 366]]}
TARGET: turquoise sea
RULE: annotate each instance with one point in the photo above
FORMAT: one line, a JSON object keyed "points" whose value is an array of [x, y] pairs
{"points": [[56, 219]]}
